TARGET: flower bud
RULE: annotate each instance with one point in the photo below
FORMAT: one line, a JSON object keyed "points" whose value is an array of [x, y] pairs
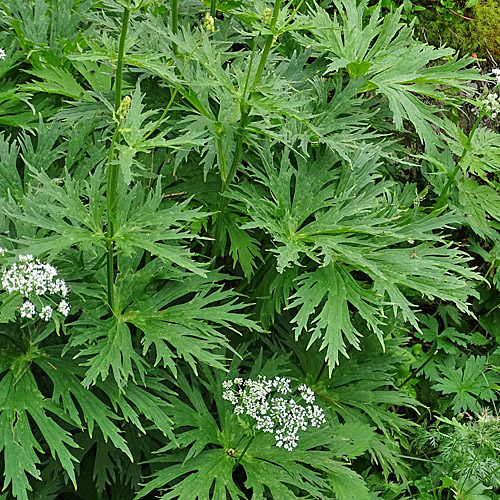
{"points": [[209, 23], [266, 16], [124, 107]]}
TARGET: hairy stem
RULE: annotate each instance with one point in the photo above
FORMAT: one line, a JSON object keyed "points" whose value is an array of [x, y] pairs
{"points": [[113, 168]]}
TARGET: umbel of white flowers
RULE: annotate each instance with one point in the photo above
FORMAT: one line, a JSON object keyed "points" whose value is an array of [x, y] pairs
{"points": [[263, 400], [34, 279]]}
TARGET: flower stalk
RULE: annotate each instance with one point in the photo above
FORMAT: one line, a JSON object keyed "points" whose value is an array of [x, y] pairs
{"points": [[113, 167], [174, 5]]}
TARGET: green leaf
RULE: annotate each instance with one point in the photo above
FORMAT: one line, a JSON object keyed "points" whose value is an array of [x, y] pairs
{"points": [[357, 241], [23, 406], [111, 349], [469, 384], [479, 204], [208, 473], [398, 67], [323, 298], [57, 81], [10, 182], [67, 379]]}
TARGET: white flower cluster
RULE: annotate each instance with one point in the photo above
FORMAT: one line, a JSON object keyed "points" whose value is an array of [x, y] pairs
{"points": [[31, 277], [3, 55], [492, 105], [282, 416], [496, 73]]}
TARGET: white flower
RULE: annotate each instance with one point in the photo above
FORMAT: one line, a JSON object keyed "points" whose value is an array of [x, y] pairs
{"points": [[307, 393], [28, 310], [64, 308], [282, 416], [491, 103], [30, 276], [46, 313], [2, 251], [496, 73], [3, 55]]}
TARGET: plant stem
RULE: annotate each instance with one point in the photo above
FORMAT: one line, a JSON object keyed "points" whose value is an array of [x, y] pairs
{"points": [[268, 45], [471, 489], [213, 7], [244, 451], [113, 168], [119, 65], [175, 21], [432, 353]]}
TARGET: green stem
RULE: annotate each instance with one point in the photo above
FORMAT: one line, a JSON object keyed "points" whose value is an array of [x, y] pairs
{"points": [[175, 21], [268, 45], [119, 65], [471, 489], [432, 353], [245, 107], [238, 150], [213, 8], [244, 451], [113, 168]]}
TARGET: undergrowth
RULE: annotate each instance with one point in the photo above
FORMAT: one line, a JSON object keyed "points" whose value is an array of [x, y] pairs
{"points": [[249, 250]]}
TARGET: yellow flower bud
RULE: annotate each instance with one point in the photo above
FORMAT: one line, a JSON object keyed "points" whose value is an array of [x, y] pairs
{"points": [[208, 22], [124, 107], [266, 15]]}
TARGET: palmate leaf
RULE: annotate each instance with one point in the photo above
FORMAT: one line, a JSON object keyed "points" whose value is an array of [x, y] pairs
{"points": [[110, 348], [468, 384], [482, 154], [383, 50], [163, 310], [67, 215], [360, 242], [324, 297], [98, 412], [361, 392], [207, 471], [148, 224], [186, 319], [66, 378]]}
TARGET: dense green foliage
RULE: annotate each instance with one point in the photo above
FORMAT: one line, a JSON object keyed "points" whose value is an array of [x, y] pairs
{"points": [[242, 188]]}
